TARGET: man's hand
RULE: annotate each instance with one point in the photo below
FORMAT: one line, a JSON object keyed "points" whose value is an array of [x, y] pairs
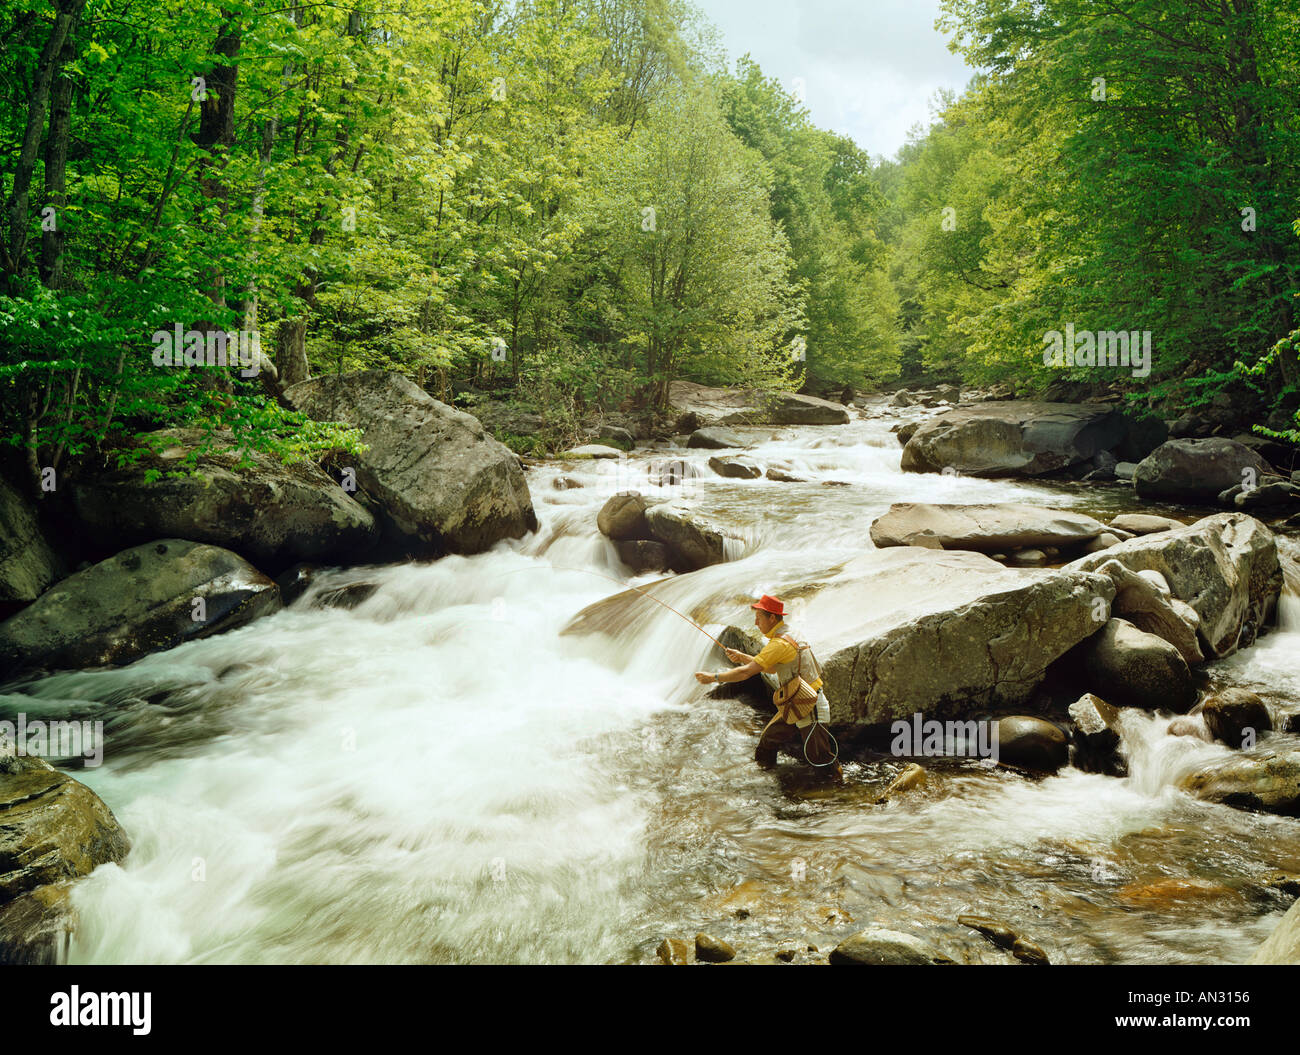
{"points": [[704, 677], [737, 657]]}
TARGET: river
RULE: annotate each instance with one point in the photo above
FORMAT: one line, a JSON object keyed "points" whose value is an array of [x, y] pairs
{"points": [[438, 774]]}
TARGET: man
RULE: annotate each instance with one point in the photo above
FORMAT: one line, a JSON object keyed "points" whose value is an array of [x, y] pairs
{"points": [[795, 723]]}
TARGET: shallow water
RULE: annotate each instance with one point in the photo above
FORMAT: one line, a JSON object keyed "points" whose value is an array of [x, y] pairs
{"points": [[439, 775]]}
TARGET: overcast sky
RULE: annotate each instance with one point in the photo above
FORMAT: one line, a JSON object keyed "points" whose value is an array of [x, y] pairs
{"points": [[870, 68]]}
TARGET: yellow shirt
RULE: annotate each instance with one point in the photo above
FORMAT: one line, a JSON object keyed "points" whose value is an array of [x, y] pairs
{"points": [[778, 651]]}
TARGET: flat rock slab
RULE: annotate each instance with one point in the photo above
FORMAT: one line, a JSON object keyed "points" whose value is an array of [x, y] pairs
{"points": [[1014, 438], [983, 528], [734, 406]]}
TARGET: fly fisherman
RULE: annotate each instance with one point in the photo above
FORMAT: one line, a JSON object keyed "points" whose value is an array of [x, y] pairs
{"points": [[801, 707]]}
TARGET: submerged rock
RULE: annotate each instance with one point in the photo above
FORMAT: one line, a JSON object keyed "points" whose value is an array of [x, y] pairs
{"points": [[879, 947], [1265, 778]]}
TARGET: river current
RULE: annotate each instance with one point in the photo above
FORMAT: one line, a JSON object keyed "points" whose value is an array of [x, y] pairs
{"points": [[440, 774]]}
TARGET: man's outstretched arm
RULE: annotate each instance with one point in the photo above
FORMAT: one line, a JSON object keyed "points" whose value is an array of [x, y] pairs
{"points": [[734, 674]]}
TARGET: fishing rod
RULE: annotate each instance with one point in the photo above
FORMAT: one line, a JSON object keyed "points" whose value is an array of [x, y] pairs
{"points": [[634, 589]]}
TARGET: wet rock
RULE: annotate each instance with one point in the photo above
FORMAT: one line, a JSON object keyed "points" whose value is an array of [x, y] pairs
{"points": [[1014, 438], [998, 933], [268, 512], [786, 953], [901, 399], [142, 600], [1269, 496], [1125, 470], [1168, 892], [1236, 717], [52, 829], [1137, 669], [715, 439], [565, 483], [671, 472], [1027, 952], [1195, 469], [643, 556], [906, 431], [27, 563], [1033, 743], [345, 595], [1283, 945], [877, 946], [1096, 736], [1189, 725], [782, 476], [709, 949], [622, 517], [736, 468], [1287, 883], [442, 482], [293, 583], [795, 408], [674, 952], [984, 528], [912, 777], [1027, 558], [1265, 778], [692, 539], [729, 406], [1224, 566]]}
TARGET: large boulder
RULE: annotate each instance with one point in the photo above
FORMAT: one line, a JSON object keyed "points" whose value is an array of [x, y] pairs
{"points": [[984, 528], [622, 517], [1236, 717], [702, 406], [714, 439], [442, 483], [53, 829], [1014, 438], [1145, 600], [735, 468], [1130, 667], [902, 630], [694, 541], [1265, 778], [247, 501], [142, 600], [27, 563], [1197, 470], [1224, 566]]}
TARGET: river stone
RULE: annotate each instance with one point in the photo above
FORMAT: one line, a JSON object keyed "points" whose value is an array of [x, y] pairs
{"points": [[912, 776], [1137, 669], [1144, 599], [614, 434], [27, 563], [1282, 946], [52, 829], [1195, 469], [1232, 712], [1189, 725], [1225, 567], [674, 952], [593, 450], [782, 476], [1267, 497], [442, 482], [1027, 558], [134, 603], [879, 947], [984, 528], [998, 933], [643, 555], [1266, 777], [795, 408], [736, 468], [1014, 438], [709, 949], [901, 399], [1125, 470], [1103, 541], [1097, 736], [906, 431], [623, 517], [1027, 951], [693, 540], [270, 513], [715, 439], [1032, 743]]}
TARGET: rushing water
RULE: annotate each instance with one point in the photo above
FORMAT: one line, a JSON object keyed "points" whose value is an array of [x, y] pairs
{"points": [[438, 774]]}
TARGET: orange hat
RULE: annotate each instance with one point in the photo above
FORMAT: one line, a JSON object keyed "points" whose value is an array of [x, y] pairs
{"points": [[769, 604]]}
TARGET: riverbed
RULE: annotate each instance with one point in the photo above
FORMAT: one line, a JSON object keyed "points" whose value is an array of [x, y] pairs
{"points": [[440, 775]]}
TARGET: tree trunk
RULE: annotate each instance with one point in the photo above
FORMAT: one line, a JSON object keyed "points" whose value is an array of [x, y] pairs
{"points": [[291, 352], [56, 163]]}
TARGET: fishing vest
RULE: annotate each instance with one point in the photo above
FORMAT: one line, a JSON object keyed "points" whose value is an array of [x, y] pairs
{"points": [[803, 665]]}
